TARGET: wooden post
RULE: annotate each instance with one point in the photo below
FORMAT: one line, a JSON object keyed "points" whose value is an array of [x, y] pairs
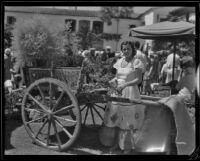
{"points": [[52, 69], [174, 56]]}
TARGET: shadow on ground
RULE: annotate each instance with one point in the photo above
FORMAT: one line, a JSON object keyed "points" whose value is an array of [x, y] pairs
{"points": [[88, 142], [9, 126]]}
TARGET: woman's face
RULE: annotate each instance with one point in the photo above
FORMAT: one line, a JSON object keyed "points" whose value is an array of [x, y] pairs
{"points": [[127, 51]]}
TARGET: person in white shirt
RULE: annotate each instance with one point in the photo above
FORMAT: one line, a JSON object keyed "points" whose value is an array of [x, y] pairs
{"points": [[140, 55], [163, 73], [177, 69]]}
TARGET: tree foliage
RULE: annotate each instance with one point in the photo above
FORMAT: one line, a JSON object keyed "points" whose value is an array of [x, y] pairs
{"points": [[35, 41], [178, 13], [40, 45], [115, 12]]}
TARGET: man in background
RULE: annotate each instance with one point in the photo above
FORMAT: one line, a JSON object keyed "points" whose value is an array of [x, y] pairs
{"points": [[140, 55], [109, 52]]}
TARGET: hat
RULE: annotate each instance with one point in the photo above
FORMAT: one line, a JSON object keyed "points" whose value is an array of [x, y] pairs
{"points": [[108, 47], [92, 49], [7, 51], [8, 83], [85, 53]]}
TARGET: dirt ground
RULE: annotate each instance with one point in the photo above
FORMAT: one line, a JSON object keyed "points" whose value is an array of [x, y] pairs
{"points": [[17, 142]]}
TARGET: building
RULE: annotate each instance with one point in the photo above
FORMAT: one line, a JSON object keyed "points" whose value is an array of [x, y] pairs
{"points": [[160, 14], [80, 19]]}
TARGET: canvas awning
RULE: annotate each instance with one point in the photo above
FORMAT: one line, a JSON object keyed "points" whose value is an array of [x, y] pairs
{"points": [[165, 29]]}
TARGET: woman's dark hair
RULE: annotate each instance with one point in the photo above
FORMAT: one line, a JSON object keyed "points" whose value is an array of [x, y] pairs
{"points": [[132, 46]]}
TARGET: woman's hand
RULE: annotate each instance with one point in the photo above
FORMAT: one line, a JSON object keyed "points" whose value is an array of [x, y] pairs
{"points": [[113, 82], [121, 87]]}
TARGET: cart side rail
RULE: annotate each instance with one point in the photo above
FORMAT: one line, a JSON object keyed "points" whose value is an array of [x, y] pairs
{"points": [[69, 75]]}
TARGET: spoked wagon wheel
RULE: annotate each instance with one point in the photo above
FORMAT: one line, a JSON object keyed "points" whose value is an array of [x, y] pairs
{"points": [[92, 113], [50, 114]]}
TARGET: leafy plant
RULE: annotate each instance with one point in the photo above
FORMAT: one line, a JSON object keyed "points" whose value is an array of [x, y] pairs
{"points": [[35, 41]]}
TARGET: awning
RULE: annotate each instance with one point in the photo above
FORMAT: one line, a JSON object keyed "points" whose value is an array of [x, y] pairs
{"points": [[165, 29]]}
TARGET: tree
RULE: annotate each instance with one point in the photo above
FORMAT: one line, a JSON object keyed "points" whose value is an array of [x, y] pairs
{"points": [[180, 12], [115, 12], [36, 42]]}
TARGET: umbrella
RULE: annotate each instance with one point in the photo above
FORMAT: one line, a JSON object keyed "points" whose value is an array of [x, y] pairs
{"points": [[167, 30]]}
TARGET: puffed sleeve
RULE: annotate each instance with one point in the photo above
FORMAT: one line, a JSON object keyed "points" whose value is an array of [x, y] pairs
{"points": [[117, 64], [137, 64]]}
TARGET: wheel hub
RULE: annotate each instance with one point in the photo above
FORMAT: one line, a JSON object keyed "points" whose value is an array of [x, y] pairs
{"points": [[50, 115]]}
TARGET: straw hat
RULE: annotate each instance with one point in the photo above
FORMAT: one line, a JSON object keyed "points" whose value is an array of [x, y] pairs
{"points": [[85, 53]]}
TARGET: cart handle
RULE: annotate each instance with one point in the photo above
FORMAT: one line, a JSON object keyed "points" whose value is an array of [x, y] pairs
{"points": [[132, 101]]}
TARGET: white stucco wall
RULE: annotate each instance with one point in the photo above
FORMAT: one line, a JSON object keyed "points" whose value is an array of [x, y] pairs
{"points": [[123, 29]]}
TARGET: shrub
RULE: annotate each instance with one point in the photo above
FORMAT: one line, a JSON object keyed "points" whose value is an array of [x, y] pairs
{"points": [[35, 41]]}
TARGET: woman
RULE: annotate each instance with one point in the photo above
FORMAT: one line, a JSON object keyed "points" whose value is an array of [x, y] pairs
{"points": [[163, 73], [177, 69], [122, 121]]}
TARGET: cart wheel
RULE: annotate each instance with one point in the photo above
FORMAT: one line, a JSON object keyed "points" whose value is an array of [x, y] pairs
{"points": [[93, 112], [51, 114]]}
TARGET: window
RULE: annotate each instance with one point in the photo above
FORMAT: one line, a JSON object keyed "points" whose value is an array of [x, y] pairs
{"points": [[158, 18], [11, 20], [72, 24], [163, 19], [97, 27], [132, 26], [84, 25]]}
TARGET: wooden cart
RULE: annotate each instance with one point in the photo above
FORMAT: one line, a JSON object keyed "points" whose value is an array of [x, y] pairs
{"points": [[54, 103]]}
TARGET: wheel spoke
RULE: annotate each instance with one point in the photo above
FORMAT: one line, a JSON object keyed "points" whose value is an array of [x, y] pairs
{"points": [[64, 129], [57, 136], [48, 132], [92, 115], [98, 113], [64, 108], [41, 128], [83, 108], [36, 119], [36, 101], [50, 95], [41, 93], [73, 121], [100, 107], [58, 100], [30, 110], [86, 114]]}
